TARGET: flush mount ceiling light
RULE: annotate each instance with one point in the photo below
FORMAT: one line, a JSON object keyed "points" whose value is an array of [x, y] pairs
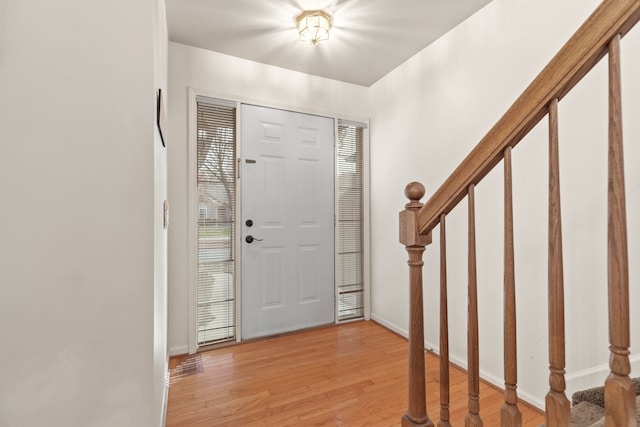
{"points": [[313, 26]]}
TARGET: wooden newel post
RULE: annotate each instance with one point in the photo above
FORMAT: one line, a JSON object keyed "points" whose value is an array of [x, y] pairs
{"points": [[415, 244]]}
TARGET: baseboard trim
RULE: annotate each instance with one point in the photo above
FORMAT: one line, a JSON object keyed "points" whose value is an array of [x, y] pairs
{"points": [[178, 350], [595, 376], [498, 383], [580, 380], [389, 325], [398, 330]]}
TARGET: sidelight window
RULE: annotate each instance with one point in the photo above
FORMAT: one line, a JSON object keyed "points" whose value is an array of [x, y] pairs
{"points": [[216, 201], [350, 221]]}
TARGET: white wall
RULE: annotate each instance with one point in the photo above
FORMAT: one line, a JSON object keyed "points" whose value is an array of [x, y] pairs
{"points": [[160, 289], [426, 116], [81, 298], [234, 79]]}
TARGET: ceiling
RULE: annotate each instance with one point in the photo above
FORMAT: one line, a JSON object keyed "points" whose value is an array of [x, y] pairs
{"points": [[369, 38]]}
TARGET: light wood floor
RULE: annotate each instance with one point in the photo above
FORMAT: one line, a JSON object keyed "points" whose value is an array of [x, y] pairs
{"points": [[353, 374]]}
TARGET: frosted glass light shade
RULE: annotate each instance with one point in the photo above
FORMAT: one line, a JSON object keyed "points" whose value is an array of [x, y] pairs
{"points": [[313, 26]]}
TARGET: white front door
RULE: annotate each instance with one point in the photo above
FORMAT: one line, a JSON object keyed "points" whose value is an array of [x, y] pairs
{"points": [[288, 209]]}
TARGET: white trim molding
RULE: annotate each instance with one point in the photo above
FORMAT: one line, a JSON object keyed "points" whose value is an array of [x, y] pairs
{"points": [[178, 350], [192, 230]]}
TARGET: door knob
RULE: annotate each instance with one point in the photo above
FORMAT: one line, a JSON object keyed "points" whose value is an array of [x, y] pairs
{"points": [[250, 239]]}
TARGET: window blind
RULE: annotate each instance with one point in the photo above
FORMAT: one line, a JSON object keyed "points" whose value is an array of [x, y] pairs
{"points": [[216, 187], [350, 221]]}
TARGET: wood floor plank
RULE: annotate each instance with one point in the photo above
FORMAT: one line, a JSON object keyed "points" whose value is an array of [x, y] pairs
{"points": [[353, 374]]}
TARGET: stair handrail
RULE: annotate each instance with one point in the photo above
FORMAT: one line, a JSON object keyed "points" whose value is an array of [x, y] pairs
{"points": [[576, 58]]}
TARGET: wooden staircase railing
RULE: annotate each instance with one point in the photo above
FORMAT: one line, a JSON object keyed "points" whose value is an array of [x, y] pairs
{"points": [[598, 36]]}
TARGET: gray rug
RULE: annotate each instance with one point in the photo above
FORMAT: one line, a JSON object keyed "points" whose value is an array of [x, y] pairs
{"points": [[600, 421], [588, 406], [584, 414], [596, 395]]}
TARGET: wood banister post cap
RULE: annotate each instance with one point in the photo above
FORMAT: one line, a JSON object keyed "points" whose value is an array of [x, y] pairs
{"points": [[414, 191], [409, 236]]}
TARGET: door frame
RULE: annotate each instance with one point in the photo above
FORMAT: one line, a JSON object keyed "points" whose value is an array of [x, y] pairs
{"points": [[192, 209]]}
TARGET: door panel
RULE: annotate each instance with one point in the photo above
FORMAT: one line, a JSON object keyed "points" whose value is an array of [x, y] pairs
{"points": [[288, 193], [272, 267], [308, 273], [273, 194]]}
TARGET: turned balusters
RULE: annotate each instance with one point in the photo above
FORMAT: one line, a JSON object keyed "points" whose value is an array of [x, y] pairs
{"points": [[612, 19], [556, 402], [618, 389], [473, 360], [444, 329], [510, 415]]}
